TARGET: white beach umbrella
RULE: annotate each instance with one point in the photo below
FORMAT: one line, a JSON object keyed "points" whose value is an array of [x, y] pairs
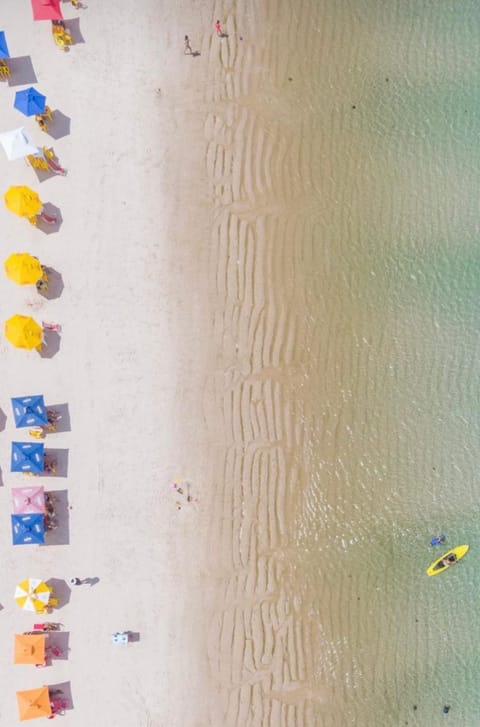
{"points": [[17, 143]]}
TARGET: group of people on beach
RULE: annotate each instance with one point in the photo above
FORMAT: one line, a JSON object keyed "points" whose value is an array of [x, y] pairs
{"points": [[188, 48]]}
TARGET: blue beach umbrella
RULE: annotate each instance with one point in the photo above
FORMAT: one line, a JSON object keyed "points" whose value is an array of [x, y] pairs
{"points": [[28, 529], [30, 101], [29, 411], [3, 45], [27, 457]]}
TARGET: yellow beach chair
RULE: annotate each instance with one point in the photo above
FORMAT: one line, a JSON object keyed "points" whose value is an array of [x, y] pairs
{"points": [[61, 36], [4, 70]]}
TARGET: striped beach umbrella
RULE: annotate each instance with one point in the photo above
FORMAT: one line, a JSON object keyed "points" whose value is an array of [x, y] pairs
{"points": [[32, 594]]}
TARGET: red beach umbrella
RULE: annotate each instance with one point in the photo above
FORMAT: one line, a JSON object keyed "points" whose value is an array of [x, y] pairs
{"points": [[46, 10]]}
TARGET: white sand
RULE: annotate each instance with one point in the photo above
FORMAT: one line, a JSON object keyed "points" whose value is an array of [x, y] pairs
{"points": [[125, 368]]}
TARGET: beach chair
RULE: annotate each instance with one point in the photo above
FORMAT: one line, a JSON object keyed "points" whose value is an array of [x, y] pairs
{"points": [[50, 468], [39, 118], [42, 285], [47, 627], [45, 217], [49, 157], [52, 602], [37, 432], [60, 35], [38, 162], [4, 70]]}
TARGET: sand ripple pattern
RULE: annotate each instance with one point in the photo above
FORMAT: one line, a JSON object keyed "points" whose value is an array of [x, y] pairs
{"points": [[259, 172]]}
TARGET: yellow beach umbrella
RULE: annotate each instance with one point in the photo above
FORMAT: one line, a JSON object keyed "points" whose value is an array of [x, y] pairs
{"points": [[23, 268], [32, 594], [29, 649], [23, 332], [22, 201], [33, 703]]}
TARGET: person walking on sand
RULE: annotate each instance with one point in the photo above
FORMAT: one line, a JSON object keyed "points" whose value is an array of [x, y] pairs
{"points": [[218, 28], [188, 48]]}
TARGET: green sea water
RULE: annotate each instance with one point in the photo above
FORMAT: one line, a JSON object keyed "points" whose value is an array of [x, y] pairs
{"points": [[394, 423]]}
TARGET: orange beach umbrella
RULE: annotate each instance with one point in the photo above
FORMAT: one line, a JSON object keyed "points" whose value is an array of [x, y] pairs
{"points": [[33, 703], [29, 649]]}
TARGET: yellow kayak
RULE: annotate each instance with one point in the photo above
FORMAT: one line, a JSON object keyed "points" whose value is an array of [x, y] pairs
{"points": [[446, 560]]}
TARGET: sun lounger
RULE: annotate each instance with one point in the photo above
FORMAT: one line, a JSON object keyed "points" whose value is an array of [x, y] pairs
{"points": [[61, 36], [45, 159], [4, 70]]}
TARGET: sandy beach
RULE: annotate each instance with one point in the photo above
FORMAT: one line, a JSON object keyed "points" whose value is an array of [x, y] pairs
{"points": [[182, 358], [127, 371]]}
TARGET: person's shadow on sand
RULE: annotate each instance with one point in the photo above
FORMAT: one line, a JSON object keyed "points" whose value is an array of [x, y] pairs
{"points": [[90, 581]]}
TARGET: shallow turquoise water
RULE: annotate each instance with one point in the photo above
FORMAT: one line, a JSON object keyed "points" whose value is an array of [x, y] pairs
{"points": [[394, 422]]}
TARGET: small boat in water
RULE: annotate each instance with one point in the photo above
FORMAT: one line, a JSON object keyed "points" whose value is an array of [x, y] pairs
{"points": [[447, 560]]}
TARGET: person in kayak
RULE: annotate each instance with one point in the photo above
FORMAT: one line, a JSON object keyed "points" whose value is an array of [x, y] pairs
{"points": [[450, 559]]}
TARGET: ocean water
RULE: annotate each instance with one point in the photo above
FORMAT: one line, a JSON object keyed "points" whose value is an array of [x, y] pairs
{"points": [[344, 162]]}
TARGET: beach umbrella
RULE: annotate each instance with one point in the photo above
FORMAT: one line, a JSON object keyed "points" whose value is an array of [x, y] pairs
{"points": [[22, 201], [23, 332], [29, 411], [30, 101], [27, 457], [28, 499], [32, 594], [33, 703], [3, 46], [46, 10], [17, 143], [29, 649], [28, 529], [23, 268]]}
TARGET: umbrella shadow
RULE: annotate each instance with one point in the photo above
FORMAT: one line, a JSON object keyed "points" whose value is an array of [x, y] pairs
{"points": [[60, 590], [21, 71], [51, 344], [63, 421], [62, 690], [73, 27], [61, 534], [3, 420], [46, 227], [58, 459], [43, 175], [134, 636], [55, 287], [60, 126], [59, 640]]}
